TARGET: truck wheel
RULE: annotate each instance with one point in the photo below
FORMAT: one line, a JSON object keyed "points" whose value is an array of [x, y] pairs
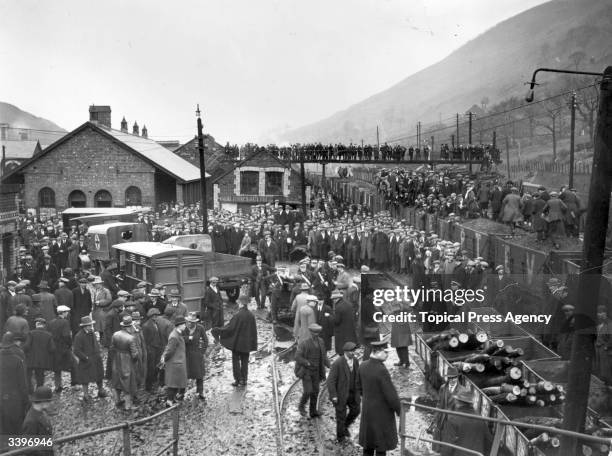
{"points": [[233, 293]]}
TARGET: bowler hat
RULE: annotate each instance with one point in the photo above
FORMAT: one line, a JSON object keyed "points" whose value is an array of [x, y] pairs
{"points": [[42, 394], [126, 320], [452, 372]]}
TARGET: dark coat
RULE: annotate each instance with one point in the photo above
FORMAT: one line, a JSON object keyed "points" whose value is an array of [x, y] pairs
{"points": [[110, 282], [381, 247], [38, 423], [87, 349], [39, 348], [380, 404], [539, 224], [174, 356], [50, 275], [341, 381], [81, 306], [240, 334], [344, 324], [311, 357], [63, 297], [62, 339], [211, 307], [14, 399], [326, 322], [465, 432], [400, 333], [196, 344]]}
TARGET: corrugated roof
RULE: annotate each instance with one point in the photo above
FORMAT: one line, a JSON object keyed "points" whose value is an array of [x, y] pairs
{"points": [[162, 157], [19, 149]]}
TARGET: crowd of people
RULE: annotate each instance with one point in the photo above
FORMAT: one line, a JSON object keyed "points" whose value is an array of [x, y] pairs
{"points": [[485, 153], [57, 316], [453, 194]]}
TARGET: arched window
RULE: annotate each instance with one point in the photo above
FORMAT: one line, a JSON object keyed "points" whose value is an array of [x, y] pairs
{"points": [[133, 196], [46, 197], [77, 199], [103, 199]]}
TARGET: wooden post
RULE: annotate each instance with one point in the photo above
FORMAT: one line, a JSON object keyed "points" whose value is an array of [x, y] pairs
{"points": [[175, 431], [508, 157], [303, 182], [127, 449], [572, 134], [203, 203], [583, 349]]}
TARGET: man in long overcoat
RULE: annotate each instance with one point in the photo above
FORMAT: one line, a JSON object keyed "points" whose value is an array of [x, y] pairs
{"points": [[39, 348], [304, 318], [344, 322], [63, 295], [62, 339], [124, 377], [512, 209], [401, 337], [89, 368], [555, 210], [155, 343], [446, 395], [14, 400], [196, 343], [48, 303], [212, 304], [310, 363], [343, 392], [174, 363], [81, 304], [324, 317], [380, 404], [239, 336]]}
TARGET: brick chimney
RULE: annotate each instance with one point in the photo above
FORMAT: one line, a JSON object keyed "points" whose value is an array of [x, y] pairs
{"points": [[145, 132], [100, 115], [135, 129], [124, 127]]}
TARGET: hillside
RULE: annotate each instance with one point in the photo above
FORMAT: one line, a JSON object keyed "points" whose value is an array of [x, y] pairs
{"points": [[37, 128], [494, 65]]}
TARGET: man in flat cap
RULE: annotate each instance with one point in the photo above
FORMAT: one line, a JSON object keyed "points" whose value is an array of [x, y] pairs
{"points": [[343, 391], [81, 304], [310, 363], [59, 328]]}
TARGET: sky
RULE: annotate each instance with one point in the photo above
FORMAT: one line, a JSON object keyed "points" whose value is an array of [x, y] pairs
{"points": [[254, 66]]}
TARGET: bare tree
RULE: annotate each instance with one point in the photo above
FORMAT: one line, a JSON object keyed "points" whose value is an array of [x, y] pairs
{"points": [[552, 112]]}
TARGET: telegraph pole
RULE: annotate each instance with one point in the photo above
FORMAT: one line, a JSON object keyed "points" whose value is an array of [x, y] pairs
{"points": [[203, 203], [470, 128], [377, 139], [457, 129], [572, 133], [583, 349], [508, 157], [303, 179]]}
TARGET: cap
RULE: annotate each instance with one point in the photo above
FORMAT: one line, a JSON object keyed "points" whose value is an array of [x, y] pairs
{"points": [[136, 316], [174, 292], [153, 311], [179, 321], [42, 394], [126, 320], [122, 293], [192, 317], [213, 279], [452, 372], [379, 345], [155, 293], [63, 308], [141, 284], [349, 346], [43, 285], [82, 280], [304, 286]]}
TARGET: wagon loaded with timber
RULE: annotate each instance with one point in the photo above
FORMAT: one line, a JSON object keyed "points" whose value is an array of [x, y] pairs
{"points": [[499, 363]]}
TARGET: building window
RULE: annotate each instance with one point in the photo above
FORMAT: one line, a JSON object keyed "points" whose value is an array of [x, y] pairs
{"points": [[46, 197], [133, 196], [77, 199], [274, 183], [103, 199], [249, 183]]}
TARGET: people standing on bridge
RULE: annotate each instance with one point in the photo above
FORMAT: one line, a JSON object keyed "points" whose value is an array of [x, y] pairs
{"points": [[380, 404], [196, 343], [472, 434], [310, 363], [239, 336], [343, 391]]}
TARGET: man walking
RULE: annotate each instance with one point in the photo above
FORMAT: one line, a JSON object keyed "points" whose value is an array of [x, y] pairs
{"points": [[212, 304], [342, 387], [196, 343], [89, 369], [378, 428], [239, 336], [62, 339], [174, 363], [14, 401], [310, 363]]}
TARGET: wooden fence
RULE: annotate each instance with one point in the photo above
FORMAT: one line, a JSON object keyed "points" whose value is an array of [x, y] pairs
{"points": [[582, 167]]}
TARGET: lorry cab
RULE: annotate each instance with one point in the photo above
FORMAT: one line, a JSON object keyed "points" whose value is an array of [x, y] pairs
{"points": [[102, 238], [154, 262]]}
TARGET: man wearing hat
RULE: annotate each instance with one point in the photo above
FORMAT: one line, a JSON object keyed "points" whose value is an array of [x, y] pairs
{"points": [[196, 343], [89, 368], [380, 404], [211, 307], [174, 363], [155, 332], [304, 317], [48, 303], [141, 346], [567, 329], [239, 336], [17, 324], [465, 432], [14, 401], [556, 211], [344, 321], [343, 390], [310, 363], [61, 357], [124, 375], [108, 277], [48, 272], [179, 309], [101, 298], [37, 422], [446, 395], [81, 304], [38, 348], [268, 250]]}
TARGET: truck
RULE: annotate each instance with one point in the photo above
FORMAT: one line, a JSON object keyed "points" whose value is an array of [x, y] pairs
{"points": [[188, 269], [102, 238]]}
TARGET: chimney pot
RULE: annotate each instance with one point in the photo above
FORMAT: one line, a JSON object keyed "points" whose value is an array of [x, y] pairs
{"points": [[145, 132], [124, 125]]}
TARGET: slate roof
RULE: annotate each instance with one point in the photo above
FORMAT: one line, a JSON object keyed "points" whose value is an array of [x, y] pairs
{"points": [[19, 149]]}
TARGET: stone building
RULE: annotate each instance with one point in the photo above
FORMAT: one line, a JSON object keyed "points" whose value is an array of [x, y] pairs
{"points": [[98, 166], [258, 179]]}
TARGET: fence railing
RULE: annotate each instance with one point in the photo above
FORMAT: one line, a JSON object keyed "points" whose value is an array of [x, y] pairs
{"points": [[582, 167], [125, 428]]}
